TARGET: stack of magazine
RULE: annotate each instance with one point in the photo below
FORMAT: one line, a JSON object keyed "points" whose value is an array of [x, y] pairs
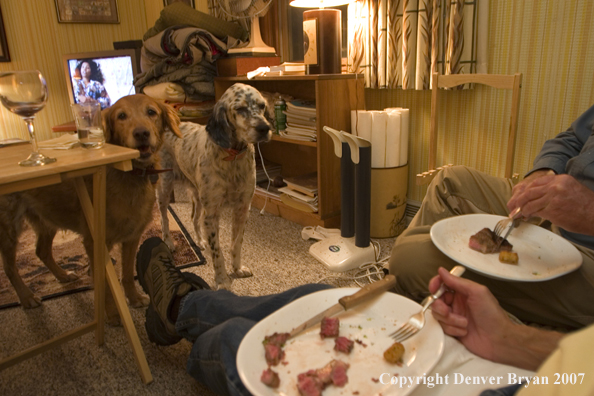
{"points": [[301, 192], [264, 178], [301, 120]]}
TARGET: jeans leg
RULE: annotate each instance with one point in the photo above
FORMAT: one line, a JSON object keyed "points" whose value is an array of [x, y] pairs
{"points": [[216, 322], [212, 359], [202, 310]]}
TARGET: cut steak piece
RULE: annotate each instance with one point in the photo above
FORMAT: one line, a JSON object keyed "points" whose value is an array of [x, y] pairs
{"points": [[485, 241], [308, 384], [343, 344], [312, 382], [329, 327], [277, 339], [273, 354], [270, 378]]}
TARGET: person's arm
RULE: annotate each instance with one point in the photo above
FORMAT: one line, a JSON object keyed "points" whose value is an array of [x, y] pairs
{"points": [[561, 199], [557, 151], [79, 92], [554, 157], [473, 315], [102, 96]]}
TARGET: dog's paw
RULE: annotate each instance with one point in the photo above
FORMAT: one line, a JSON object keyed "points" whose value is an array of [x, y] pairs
{"points": [[68, 277], [243, 272], [170, 244], [30, 301], [139, 301], [223, 283]]}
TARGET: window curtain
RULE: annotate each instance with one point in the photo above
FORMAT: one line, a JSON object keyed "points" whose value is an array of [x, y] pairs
{"points": [[400, 43]]}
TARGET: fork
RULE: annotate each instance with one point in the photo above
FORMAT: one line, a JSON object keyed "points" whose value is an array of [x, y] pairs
{"points": [[417, 321], [502, 225]]}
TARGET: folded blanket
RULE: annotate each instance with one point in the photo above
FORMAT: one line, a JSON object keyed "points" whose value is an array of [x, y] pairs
{"points": [[194, 109], [166, 91], [179, 13], [183, 55]]}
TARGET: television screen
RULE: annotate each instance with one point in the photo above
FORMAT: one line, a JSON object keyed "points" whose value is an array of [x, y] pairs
{"points": [[102, 77]]}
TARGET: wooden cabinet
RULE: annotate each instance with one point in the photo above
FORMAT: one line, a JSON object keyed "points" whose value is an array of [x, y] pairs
{"points": [[335, 96]]}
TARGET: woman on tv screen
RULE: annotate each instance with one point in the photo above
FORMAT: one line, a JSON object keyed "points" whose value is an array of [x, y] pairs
{"points": [[89, 86]]}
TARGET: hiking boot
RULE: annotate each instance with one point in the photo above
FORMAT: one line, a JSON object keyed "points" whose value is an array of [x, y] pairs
{"points": [[164, 284]]}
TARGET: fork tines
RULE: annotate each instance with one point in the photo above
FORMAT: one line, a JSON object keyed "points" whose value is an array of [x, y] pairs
{"points": [[404, 332]]}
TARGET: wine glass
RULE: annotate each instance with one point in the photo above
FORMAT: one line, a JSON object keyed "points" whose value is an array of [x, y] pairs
{"points": [[25, 93]]}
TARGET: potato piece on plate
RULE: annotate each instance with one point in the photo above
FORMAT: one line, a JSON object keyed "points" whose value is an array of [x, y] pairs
{"points": [[508, 257], [394, 353]]}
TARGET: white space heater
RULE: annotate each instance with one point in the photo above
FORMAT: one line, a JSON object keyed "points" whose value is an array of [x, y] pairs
{"points": [[353, 247]]}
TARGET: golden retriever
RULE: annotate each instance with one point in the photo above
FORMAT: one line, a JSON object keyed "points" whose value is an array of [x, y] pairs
{"points": [[136, 122]]}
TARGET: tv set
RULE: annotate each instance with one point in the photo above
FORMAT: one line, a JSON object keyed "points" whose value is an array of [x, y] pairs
{"points": [[118, 68]]}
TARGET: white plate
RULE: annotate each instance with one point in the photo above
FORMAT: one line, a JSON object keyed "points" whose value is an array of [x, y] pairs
{"points": [[542, 255], [370, 323]]}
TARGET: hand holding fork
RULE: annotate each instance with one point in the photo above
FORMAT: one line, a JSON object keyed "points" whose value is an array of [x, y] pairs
{"points": [[417, 321], [502, 225]]}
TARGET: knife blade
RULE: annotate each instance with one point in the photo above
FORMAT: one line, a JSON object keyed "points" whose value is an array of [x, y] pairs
{"points": [[347, 302]]}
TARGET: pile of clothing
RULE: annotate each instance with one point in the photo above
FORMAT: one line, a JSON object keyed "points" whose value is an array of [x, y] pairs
{"points": [[178, 57]]}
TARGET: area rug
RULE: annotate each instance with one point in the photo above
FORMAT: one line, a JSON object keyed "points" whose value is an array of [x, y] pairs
{"points": [[69, 253]]}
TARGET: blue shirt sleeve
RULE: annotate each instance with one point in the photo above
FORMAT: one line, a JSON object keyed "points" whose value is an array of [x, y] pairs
{"points": [[562, 152]]}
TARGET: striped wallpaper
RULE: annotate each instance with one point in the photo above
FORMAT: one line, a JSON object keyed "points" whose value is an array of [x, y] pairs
{"points": [[552, 44], [37, 41]]}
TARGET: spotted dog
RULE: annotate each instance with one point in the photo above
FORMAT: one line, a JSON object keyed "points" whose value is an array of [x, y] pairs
{"points": [[217, 163]]}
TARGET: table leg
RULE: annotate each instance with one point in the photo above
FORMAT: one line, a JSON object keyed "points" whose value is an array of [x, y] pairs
{"points": [[99, 181], [95, 215]]}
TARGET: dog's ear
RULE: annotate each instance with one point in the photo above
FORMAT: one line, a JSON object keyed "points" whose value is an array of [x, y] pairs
{"points": [[218, 127], [170, 118], [107, 124], [269, 111]]}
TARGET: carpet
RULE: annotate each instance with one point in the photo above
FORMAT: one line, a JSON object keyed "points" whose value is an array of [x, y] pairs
{"points": [[70, 254]]}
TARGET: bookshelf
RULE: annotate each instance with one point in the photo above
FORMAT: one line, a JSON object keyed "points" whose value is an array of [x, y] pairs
{"points": [[335, 96]]}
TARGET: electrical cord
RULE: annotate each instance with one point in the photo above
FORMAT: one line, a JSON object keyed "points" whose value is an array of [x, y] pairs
{"points": [[373, 272], [267, 176]]}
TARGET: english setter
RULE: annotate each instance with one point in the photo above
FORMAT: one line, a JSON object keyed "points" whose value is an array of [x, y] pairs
{"points": [[217, 163]]}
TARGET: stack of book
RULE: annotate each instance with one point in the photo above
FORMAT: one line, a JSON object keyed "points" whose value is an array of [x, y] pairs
{"points": [[272, 169], [287, 69], [301, 120], [301, 192]]}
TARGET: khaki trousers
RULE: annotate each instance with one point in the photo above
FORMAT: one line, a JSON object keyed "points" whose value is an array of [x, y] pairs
{"points": [[566, 302]]}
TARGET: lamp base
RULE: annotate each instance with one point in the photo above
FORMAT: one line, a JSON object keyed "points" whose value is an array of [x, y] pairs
{"points": [[254, 51], [256, 45], [341, 254], [322, 34]]}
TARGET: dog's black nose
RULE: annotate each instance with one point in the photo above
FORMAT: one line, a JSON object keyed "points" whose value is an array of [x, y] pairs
{"points": [[141, 134], [262, 129]]}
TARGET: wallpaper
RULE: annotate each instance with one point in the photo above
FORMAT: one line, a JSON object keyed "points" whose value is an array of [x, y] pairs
{"points": [[552, 44]]}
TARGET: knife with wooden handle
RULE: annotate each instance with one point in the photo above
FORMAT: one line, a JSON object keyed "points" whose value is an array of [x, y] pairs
{"points": [[366, 293]]}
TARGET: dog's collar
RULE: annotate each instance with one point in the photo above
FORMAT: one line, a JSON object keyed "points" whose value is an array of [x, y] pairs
{"points": [[151, 172], [235, 154]]}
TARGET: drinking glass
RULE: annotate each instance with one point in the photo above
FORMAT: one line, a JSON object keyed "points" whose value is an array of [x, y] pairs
{"points": [[25, 93]]}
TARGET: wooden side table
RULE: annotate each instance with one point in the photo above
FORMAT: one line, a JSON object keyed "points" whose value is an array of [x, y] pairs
{"points": [[75, 164]]}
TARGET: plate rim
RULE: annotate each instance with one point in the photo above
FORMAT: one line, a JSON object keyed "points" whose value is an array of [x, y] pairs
{"points": [[481, 271], [343, 291]]}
